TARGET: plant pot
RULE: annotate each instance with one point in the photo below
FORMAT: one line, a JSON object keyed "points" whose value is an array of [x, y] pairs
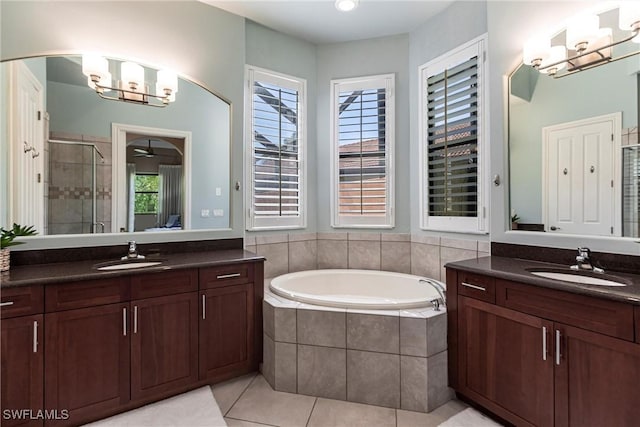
{"points": [[514, 225], [4, 259]]}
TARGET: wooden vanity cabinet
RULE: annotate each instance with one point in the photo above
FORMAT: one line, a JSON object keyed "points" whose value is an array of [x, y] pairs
{"points": [[544, 357], [87, 349], [227, 322], [164, 333], [21, 354]]}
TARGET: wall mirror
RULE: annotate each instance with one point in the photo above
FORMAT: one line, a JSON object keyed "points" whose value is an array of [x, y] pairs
{"points": [[573, 147], [81, 164]]}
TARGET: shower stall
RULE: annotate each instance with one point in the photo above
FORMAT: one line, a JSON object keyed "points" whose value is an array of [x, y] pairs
{"points": [[76, 188]]}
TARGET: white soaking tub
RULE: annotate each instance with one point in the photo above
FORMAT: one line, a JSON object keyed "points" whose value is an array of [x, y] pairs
{"points": [[357, 289]]}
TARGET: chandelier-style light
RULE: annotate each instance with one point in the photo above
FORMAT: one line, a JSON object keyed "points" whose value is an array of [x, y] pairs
{"points": [[587, 45], [131, 87]]}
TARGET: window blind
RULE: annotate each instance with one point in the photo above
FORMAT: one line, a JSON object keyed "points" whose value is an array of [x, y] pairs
{"points": [[452, 140], [276, 151], [362, 152]]}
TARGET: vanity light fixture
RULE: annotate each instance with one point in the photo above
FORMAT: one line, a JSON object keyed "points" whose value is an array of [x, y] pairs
{"points": [[587, 45], [132, 86], [346, 5]]}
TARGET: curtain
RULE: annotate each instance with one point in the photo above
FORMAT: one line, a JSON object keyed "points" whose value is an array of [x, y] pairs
{"points": [[131, 200], [170, 192]]}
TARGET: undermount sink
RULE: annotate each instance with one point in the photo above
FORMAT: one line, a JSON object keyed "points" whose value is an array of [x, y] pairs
{"points": [[125, 265], [578, 278]]}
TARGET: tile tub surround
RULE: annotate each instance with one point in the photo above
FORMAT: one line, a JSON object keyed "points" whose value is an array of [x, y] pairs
{"points": [[395, 359], [398, 252]]}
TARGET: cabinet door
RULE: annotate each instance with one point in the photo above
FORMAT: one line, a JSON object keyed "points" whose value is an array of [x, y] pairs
{"points": [[22, 365], [87, 361], [164, 344], [226, 331], [596, 380], [503, 363]]}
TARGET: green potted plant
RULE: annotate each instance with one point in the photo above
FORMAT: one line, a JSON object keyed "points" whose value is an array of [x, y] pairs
{"points": [[7, 239], [514, 219]]}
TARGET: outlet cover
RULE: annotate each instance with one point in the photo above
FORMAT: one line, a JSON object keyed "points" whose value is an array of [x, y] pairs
{"points": [[205, 213], [218, 212]]}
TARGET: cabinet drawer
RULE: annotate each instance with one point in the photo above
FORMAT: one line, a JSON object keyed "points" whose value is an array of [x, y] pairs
{"points": [[594, 314], [477, 286], [21, 301], [86, 294], [164, 283], [234, 274]]}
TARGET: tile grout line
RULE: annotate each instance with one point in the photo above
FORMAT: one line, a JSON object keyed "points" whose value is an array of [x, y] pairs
{"points": [[240, 395], [253, 422], [315, 400]]}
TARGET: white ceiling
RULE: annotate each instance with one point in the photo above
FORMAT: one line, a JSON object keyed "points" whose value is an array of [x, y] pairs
{"points": [[319, 22]]}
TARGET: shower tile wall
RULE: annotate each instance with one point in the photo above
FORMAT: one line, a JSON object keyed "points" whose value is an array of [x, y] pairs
{"points": [[403, 253], [69, 185]]}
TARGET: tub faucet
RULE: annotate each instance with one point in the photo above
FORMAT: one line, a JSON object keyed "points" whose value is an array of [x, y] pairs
{"points": [[133, 251], [583, 261], [440, 290]]}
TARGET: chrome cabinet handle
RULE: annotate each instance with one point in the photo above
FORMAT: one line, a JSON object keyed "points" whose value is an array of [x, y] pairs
{"points": [[35, 336], [544, 343], [228, 276], [469, 285], [558, 347], [204, 307], [4, 304], [124, 321], [135, 319]]}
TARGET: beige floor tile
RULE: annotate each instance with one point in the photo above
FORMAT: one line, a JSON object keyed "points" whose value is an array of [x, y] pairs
{"points": [[336, 413], [259, 403], [228, 392], [232, 422], [433, 418]]}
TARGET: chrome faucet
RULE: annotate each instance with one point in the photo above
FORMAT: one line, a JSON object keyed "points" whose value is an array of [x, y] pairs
{"points": [[133, 251], [583, 261], [440, 290]]}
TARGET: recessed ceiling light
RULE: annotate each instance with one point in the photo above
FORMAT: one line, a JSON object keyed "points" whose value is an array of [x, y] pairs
{"points": [[346, 5]]}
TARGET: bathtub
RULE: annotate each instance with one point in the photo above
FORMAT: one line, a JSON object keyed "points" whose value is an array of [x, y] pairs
{"points": [[356, 289], [357, 335]]}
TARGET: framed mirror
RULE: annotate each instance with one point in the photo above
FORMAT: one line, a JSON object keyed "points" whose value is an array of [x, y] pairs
{"points": [[81, 164], [573, 144]]}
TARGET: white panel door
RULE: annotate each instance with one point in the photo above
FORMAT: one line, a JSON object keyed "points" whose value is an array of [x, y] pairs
{"points": [[26, 181], [579, 178]]}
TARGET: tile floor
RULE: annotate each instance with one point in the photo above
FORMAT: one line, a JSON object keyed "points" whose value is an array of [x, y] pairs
{"points": [[249, 401]]}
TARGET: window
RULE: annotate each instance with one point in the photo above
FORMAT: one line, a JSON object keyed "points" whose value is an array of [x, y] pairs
{"points": [[146, 196], [276, 135], [362, 123], [453, 150]]}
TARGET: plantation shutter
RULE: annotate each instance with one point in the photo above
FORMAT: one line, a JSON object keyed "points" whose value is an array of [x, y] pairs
{"points": [[452, 141], [276, 150], [361, 148]]}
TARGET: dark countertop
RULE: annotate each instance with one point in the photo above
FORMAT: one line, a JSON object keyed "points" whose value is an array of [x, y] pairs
{"points": [[84, 270], [517, 270]]}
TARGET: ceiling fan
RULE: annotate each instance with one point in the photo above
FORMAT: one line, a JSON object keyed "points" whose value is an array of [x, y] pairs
{"points": [[144, 152]]}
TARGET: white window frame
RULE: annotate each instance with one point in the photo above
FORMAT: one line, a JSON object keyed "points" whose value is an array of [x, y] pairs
{"points": [[478, 224], [253, 222], [386, 81]]}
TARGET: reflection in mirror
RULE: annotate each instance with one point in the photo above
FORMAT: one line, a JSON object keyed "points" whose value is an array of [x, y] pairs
{"points": [[78, 163], [567, 141]]}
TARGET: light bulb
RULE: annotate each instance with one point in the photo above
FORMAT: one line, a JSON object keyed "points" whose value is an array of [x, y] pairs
{"points": [[629, 16], [581, 31], [346, 5], [167, 80], [556, 54], [536, 50], [132, 75], [95, 65]]}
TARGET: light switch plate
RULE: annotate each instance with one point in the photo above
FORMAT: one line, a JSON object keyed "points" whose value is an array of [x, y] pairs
{"points": [[205, 213], [218, 212]]}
